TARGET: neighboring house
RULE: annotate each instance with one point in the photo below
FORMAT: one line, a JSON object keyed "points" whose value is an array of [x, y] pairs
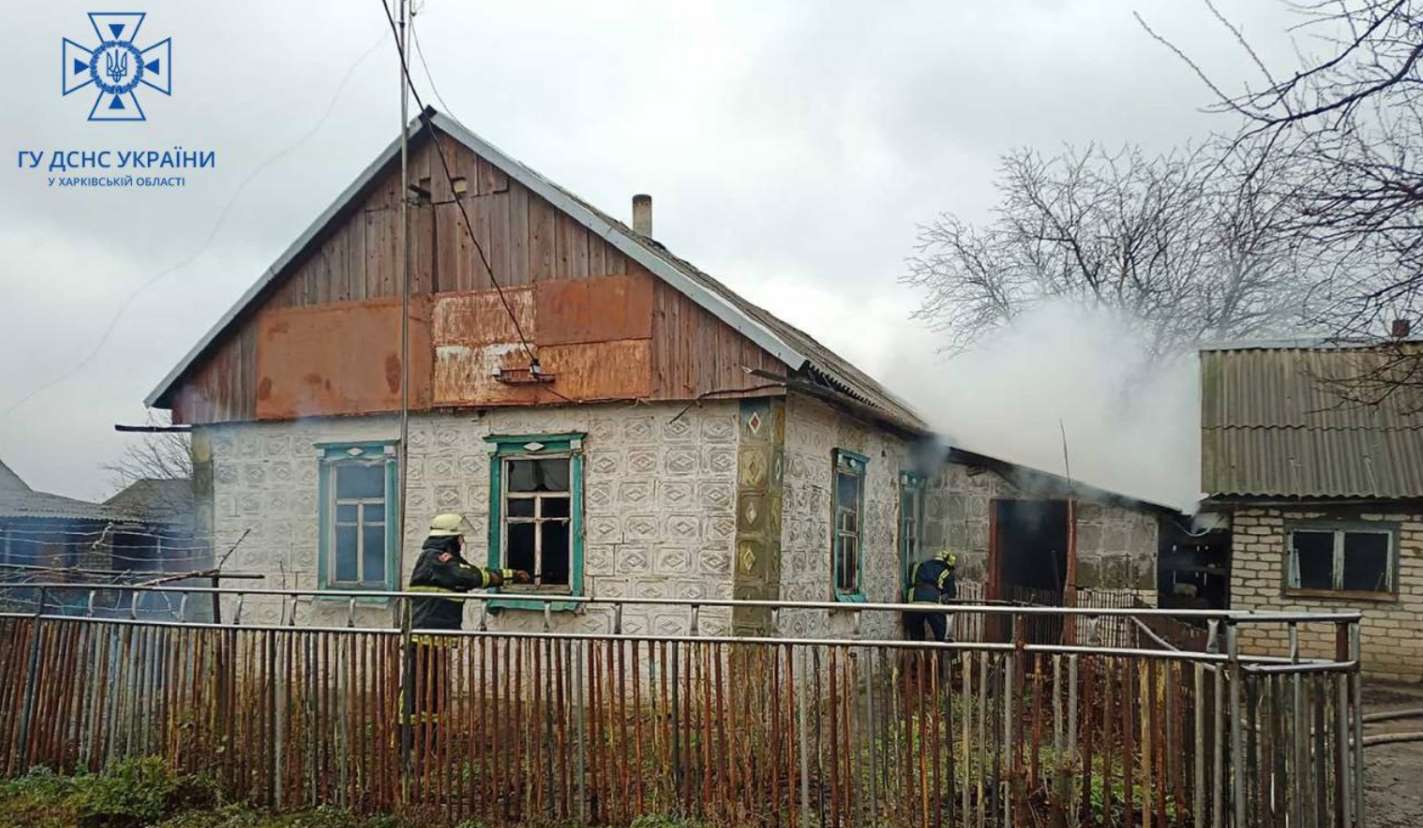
{"points": [[670, 440], [1322, 500], [49, 537], [165, 507]]}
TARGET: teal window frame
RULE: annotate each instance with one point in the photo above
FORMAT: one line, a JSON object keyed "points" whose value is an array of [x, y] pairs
{"points": [[911, 526], [503, 447], [330, 456], [845, 461]]}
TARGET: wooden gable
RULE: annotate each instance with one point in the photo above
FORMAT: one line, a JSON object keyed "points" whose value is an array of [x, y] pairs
{"points": [[323, 337]]}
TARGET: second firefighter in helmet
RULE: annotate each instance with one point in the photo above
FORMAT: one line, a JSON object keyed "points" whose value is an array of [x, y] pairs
{"points": [[931, 582], [442, 569]]}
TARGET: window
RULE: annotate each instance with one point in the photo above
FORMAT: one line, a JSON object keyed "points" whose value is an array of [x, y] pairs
{"points": [[536, 511], [848, 515], [537, 518], [1341, 558], [358, 517], [911, 522]]}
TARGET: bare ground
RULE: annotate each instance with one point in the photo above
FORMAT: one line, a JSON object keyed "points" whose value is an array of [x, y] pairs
{"points": [[1393, 774]]}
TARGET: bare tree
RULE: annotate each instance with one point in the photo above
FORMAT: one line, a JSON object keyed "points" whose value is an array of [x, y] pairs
{"points": [[1346, 120], [1186, 245], [161, 455]]}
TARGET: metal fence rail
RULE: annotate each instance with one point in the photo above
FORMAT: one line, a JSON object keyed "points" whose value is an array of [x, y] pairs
{"points": [[595, 729]]}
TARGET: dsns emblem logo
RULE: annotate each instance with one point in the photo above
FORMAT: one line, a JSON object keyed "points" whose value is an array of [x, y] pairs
{"points": [[116, 66]]}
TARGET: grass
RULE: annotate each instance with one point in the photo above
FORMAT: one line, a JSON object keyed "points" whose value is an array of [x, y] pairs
{"points": [[145, 793]]}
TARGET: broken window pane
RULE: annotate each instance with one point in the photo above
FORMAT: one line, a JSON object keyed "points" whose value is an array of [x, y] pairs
{"points": [[1313, 559], [543, 475], [555, 564], [520, 546], [1366, 562]]}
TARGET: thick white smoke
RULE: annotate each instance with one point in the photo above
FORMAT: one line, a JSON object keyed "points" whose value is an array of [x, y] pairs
{"points": [[1131, 427]]}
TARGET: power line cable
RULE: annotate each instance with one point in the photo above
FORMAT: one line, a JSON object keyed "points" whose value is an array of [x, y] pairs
{"points": [[221, 220], [464, 213]]}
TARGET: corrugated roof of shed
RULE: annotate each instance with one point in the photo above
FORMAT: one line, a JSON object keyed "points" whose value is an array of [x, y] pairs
{"points": [[1273, 424]]}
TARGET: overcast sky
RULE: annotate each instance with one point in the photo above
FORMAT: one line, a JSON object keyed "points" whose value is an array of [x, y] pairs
{"points": [[792, 149]]}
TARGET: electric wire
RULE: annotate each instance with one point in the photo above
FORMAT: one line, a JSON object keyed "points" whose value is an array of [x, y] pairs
{"points": [[222, 217], [464, 213]]}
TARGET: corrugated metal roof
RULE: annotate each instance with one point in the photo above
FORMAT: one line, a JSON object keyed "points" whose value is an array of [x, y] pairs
{"points": [[782, 340], [1273, 424], [43, 505], [154, 498]]}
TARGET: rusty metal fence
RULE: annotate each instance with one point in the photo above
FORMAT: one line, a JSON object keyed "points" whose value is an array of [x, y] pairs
{"points": [[550, 728]]}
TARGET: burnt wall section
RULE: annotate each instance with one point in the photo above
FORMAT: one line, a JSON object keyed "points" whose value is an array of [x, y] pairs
{"points": [[1116, 544]]}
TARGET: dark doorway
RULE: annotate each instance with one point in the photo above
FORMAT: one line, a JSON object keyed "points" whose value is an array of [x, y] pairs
{"points": [[1192, 567], [1030, 547], [1028, 561]]}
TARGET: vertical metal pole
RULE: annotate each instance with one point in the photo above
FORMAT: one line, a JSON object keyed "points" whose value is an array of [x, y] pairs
{"points": [[804, 737], [1356, 655], [403, 448], [1068, 795], [407, 695], [1237, 735], [1217, 747], [1299, 757], [580, 716], [1199, 800]]}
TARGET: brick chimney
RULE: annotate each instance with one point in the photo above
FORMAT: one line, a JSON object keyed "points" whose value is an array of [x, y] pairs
{"points": [[1401, 329], [642, 214]]}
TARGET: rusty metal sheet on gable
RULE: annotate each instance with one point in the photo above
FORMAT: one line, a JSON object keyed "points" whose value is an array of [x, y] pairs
{"points": [[602, 309], [480, 318], [339, 359], [466, 375]]}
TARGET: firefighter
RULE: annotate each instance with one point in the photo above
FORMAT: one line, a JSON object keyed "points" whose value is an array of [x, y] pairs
{"points": [[931, 582], [440, 569]]}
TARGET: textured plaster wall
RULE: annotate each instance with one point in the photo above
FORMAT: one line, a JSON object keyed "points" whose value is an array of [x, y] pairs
{"points": [[660, 502], [813, 430], [1392, 647]]}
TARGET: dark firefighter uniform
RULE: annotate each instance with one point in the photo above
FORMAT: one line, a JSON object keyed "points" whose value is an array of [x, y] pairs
{"points": [[930, 582], [441, 570]]}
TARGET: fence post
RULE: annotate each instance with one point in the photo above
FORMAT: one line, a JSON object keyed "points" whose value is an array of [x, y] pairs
{"points": [[1237, 736], [31, 682], [1356, 656], [407, 697]]}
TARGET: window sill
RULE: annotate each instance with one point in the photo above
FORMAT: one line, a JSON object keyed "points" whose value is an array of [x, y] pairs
{"points": [[1340, 595], [851, 598], [330, 594], [533, 601]]}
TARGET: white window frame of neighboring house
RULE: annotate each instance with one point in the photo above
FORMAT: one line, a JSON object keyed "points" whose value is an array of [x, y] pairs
{"points": [[538, 519], [1339, 532]]}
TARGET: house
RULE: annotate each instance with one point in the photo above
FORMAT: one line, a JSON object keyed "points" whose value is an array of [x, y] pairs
{"points": [[607, 416], [51, 538], [1319, 501]]}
